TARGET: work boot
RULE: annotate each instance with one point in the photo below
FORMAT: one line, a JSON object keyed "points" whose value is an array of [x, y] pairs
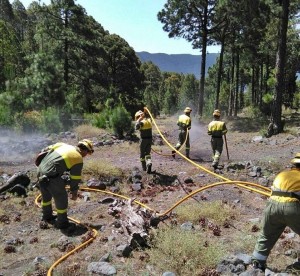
{"points": [[49, 219], [149, 166], [144, 166], [173, 153], [294, 268], [259, 264], [62, 225], [214, 165]]}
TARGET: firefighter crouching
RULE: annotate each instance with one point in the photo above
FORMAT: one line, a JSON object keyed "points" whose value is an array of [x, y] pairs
{"points": [[184, 122], [144, 125], [282, 210], [60, 167]]}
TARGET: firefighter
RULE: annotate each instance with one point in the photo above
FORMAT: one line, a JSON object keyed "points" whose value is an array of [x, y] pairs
{"points": [[282, 210], [216, 129], [60, 167], [184, 122], [144, 125]]}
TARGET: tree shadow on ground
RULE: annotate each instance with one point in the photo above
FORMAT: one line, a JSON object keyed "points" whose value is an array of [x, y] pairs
{"points": [[248, 124]]}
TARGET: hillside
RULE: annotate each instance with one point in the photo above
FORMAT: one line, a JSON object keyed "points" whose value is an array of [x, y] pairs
{"points": [[29, 248], [179, 63]]}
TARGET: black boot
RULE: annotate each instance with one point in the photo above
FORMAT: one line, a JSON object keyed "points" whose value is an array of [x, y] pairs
{"points": [[173, 153], [149, 166], [144, 165]]}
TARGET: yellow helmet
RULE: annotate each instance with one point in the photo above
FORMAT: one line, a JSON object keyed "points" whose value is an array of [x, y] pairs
{"points": [[217, 113], [187, 110], [296, 159], [88, 144], [138, 114]]}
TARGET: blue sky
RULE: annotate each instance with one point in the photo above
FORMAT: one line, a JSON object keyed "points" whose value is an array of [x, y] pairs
{"points": [[136, 22]]}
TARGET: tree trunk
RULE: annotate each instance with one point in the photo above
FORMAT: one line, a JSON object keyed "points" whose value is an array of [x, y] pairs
{"points": [[203, 64], [280, 66], [232, 85], [237, 80], [221, 57]]}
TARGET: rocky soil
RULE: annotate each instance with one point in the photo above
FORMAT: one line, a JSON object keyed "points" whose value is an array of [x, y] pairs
{"points": [[29, 248]]}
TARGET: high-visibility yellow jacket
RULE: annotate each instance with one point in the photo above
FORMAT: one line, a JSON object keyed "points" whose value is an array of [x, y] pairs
{"points": [[63, 158], [217, 129], [184, 122], [145, 128], [287, 181]]}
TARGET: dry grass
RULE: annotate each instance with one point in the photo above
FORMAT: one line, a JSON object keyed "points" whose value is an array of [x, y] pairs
{"points": [[215, 211], [87, 131], [101, 170], [184, 252]]}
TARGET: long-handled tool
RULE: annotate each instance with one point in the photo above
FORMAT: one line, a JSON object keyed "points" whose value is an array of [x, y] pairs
{"points": [[226, 146]]}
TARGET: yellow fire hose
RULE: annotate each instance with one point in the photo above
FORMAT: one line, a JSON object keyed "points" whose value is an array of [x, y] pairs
{"points": [[262, 190]]}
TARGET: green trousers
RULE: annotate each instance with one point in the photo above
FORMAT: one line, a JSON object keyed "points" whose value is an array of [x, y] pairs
{"points": [[277, 216], [55, 189], [145, 152], [181, 140], [217, 148]]}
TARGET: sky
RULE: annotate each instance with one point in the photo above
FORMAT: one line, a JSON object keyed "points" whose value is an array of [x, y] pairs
{"points": [[136, 22]]}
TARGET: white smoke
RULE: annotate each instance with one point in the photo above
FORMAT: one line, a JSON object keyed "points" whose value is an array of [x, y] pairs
{"points": [[16, 147]]}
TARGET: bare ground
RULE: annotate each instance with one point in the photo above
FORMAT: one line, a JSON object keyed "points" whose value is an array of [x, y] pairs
{"points": [[20, 217]]}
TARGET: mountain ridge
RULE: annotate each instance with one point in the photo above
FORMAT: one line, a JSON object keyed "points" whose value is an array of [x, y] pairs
{"points": [[179, 63]]}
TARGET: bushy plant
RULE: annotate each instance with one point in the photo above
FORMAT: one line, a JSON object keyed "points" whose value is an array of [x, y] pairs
{"points": [[216, 211], [51, 121], [121, 121], [6, 118], [29, 121], [101, 119], [184, 252]]}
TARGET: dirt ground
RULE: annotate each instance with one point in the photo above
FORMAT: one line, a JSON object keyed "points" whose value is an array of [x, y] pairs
{"points": [[20, 217]]}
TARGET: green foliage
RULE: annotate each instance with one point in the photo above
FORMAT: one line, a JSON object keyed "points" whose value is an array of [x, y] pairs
{"points": [[100, 119], [47, 120], [51, 120], [121, 121], [268, 98], [216, 211], [296, 101], [253, 112], [6, 118], [29, 121]]}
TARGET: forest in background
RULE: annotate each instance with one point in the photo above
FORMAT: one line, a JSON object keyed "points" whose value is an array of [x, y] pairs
{"points": [[58, 64]]}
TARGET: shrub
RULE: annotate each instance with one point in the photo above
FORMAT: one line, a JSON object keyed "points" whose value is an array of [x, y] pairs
{"points": [[121, 121], [51, 120], [184, 252], [29, 121], [101, 119], [216, 211], [6, 118]]}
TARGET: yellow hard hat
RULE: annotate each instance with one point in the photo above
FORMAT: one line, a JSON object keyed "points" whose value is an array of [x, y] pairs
{"points": [[217, 112], [88, 144], [296, 159], [187, 110], [138, 114]]}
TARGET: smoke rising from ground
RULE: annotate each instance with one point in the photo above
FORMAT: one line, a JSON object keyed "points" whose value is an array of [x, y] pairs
{"points": [[16, 147]]}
